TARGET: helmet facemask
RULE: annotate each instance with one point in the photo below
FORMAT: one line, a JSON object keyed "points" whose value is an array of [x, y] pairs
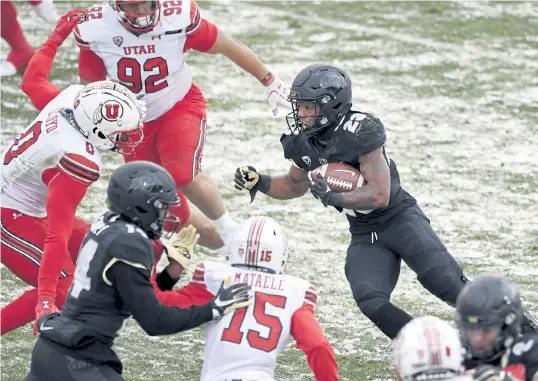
{"points": [[133, 20], [486, 339], [329, 107], [296, 118], [166, 223], [125, 142]]}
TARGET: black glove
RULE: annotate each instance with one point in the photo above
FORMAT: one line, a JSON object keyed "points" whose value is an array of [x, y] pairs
{"points": [[488, 372], [231, 298], [248, 178], [322, 192]]}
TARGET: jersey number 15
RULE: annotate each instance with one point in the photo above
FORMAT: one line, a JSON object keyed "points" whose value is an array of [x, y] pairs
{"points": [[233, 333]]}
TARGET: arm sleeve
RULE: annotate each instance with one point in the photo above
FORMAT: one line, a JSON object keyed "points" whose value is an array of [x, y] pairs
{"points": [[201, 34], [311, 340], [136, 292], [35, 81], [64, 196], [192, 294], [91, 68]]}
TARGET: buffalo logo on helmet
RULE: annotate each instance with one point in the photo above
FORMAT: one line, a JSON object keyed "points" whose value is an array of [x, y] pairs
{"points": [[112, 110]]}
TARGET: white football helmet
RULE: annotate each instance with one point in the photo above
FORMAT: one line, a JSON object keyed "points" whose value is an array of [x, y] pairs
{"points": [[109, 116], [259, 244], [427, 348]]}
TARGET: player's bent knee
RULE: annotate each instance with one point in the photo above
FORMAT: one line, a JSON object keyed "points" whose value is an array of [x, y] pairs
{"points": [[445, 282], [370, 301]]}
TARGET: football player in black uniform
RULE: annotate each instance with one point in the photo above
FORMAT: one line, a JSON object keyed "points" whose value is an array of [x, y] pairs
{"points": [[112, 283], [386, 224], [489, 317]]}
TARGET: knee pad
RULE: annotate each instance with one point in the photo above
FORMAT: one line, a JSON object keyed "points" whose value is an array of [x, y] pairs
{"points": [[370, 302], [445, 282]]}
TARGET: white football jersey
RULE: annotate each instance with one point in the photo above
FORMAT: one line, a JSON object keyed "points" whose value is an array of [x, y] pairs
{"points": [[152, 64], [50, 144], [245, 344]]}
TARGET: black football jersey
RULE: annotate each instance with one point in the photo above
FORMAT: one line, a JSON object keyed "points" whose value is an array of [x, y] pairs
{"points": [[92, 300], [521, 359], [358, 133]]}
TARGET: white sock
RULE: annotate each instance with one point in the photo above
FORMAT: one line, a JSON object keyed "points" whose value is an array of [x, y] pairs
{"points": [[224, 224]]}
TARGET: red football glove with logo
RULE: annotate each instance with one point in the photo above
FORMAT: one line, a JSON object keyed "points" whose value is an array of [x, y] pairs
{"points": [[45, 305], [65, 26]]}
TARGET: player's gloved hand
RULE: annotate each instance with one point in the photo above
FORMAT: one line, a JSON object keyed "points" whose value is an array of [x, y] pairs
{"points": [[322, 192], [182, 247], [45, 305], [65, 26], [248, 178], [277, 95], [229, 299], [488, 372]]}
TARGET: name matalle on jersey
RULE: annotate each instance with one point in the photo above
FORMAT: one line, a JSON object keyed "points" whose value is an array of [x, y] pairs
{"points": [[152, 64], [246, 344], [49, 145]]}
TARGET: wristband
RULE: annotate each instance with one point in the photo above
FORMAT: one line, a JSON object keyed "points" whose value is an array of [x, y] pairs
{"points": [[267, 79]]}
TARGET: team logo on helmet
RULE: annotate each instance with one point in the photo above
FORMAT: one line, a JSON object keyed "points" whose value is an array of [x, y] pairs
{"points": [[112, 110], [118, 40]]}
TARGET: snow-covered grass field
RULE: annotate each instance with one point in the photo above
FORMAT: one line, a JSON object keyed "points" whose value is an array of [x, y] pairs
{"points": [[456, 86]]}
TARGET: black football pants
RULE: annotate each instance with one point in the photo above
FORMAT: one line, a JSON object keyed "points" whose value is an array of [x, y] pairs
{"points": [[373, 267], [48, 364]]}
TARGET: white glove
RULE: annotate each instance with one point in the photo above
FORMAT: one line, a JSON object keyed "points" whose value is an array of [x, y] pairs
{"points": [[277, 95], [182, 247]]}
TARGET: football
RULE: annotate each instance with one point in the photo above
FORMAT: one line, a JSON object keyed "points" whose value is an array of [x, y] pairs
{"points": [[340, 177]]}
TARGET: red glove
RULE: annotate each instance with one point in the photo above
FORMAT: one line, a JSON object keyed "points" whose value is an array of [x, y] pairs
{"points": [[65, 26], [45, 305]]}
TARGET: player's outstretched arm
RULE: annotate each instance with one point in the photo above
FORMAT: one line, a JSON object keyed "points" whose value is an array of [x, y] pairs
{"points": [[64, 196], [284, 187], [135, 289], [35, 81], [311, 340], [276, 92]]}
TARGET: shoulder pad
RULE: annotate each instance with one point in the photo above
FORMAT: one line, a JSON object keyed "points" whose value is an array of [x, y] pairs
{"points": [[291, 144], [368, 132], [129, 244], [95, 18], [184, 16], [215, 274]]}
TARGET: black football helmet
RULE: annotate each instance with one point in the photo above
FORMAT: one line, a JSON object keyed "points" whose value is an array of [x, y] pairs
{"points": [[142, 192], [326, 87], [489, 302]]}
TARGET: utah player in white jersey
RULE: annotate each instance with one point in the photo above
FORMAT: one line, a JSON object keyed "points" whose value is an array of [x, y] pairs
{"points": [[245, 345], [45, 174], [142, 44], [428, 348]]}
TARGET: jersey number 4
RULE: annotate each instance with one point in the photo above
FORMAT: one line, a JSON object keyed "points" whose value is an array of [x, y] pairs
{"points": [[130, 74], [233, 333]]}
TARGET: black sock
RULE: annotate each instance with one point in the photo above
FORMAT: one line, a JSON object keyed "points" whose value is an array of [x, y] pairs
{"points": [[390, 319]]}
